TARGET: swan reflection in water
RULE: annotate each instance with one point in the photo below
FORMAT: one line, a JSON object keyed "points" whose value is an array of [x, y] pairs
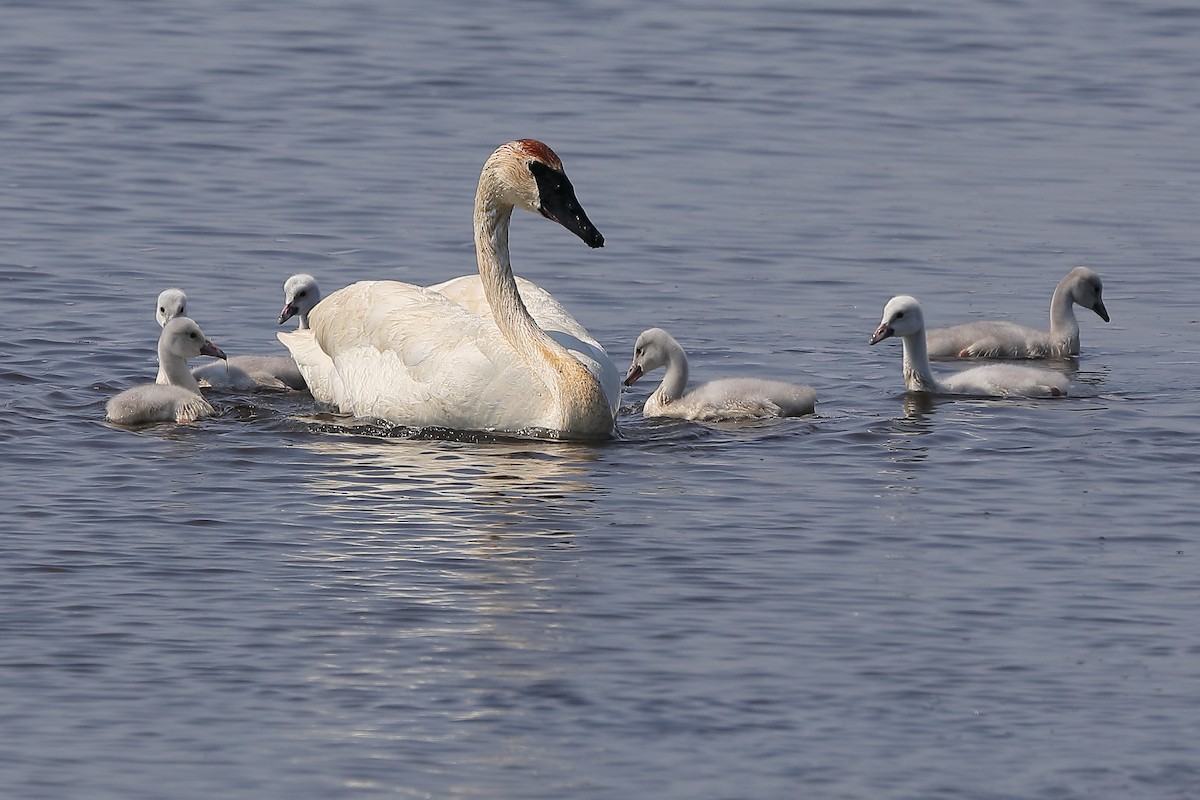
{"points": [[450, 574], [375, 485]]}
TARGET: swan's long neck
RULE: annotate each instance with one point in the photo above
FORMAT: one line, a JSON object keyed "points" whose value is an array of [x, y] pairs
{"points": [[303, 317], [174, 369], [577, 393], [674, 383], [918, 377], [1063, 325], [500, 287]]}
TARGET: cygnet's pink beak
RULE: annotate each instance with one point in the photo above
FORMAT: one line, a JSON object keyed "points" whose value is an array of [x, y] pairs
{"points": [[210, 349], [881, 333]]}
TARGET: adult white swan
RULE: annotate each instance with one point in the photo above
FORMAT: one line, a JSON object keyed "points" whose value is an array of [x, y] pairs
{"points": [[1001, 339], [902, 317], [414, 356], [725, 399], [178, 399]]}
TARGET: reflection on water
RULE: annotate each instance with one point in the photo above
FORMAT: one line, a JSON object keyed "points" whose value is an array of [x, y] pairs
{"points": [[442, 521], [448, 556], [917, 405], [443, 487]]}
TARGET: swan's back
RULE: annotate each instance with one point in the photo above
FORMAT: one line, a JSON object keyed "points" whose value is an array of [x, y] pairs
{"points": [[154, 402], [467, 291], [248, 373], [990, 339], [740, 398], [1003, 380]]}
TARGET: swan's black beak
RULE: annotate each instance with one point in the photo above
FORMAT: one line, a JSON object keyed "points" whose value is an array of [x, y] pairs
{"points": [[1101, 310], [210, 349], [635, 372], [557, 202], [884, 331], [288, 312]]}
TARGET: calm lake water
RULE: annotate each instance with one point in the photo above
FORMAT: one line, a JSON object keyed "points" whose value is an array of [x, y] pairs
{"points": [[895, 598]]}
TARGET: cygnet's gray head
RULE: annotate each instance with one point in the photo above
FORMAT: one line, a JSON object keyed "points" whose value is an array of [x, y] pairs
{"points": [[652, 350], [300, 295], [901, 317], [1088, 291], [172, 303], [182, 337]]}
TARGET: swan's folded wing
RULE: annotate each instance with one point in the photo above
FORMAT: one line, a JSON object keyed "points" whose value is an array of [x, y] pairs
{"points": [[412, 356], [233, 376], [987, 339], [747, 398], [1007, 380], [467, 291], [551, 317], [315, 366]]}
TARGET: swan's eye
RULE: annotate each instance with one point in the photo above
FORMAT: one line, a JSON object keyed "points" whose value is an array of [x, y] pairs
{"points": [[640, 351], [899, 315], [192, 335], [162, 309], [302, 294]]}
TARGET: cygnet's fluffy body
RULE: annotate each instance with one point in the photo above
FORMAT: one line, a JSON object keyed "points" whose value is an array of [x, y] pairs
{"points": [[725, 399], [179, 398], [249, 373], [902, 317], [1001, 339]]}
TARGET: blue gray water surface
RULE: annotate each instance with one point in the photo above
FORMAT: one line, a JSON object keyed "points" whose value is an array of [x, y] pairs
{"points": [[896, 598]]}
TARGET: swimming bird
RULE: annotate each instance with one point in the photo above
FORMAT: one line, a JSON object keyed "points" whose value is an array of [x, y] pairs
{"points": [[171, 303], [1001, 339], [240, 373], [179, 398], [902, 317], [300, 295], [725, 399], [413, 356]]}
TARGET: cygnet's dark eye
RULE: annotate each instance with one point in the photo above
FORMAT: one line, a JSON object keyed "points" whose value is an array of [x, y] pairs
{"points": [[302, 293], [192, 335], [162, 309], [899, 315], [639, 351]]}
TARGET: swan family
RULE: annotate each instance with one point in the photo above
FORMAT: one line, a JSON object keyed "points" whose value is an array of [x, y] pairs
{"points": [[413, 356], [247, 373], [493, 352]]}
